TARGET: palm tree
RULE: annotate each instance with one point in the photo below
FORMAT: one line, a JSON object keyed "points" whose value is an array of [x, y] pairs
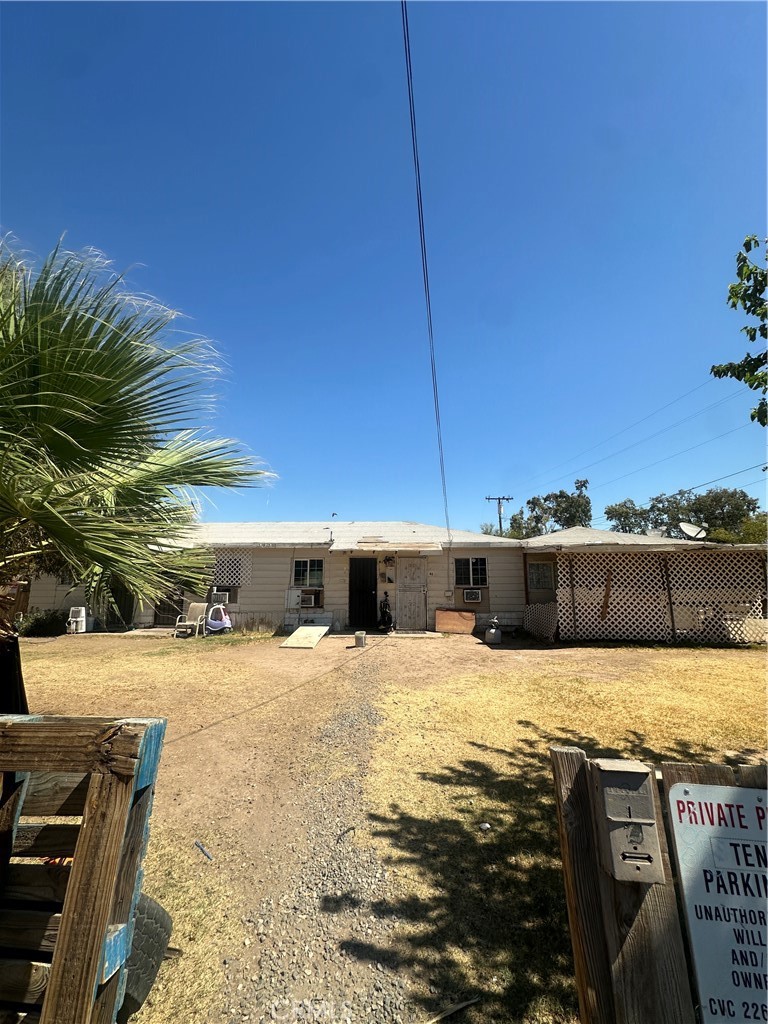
{"points": [[99, 455]]}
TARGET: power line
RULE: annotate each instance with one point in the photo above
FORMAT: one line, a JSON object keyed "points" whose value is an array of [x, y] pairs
{"points": [[697, 487], [673, 456], [581, 470], [620, 432], [424, 268]]}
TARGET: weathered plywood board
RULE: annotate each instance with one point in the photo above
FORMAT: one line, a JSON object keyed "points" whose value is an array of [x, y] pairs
{"points": [[448, 620], [306, 636]]}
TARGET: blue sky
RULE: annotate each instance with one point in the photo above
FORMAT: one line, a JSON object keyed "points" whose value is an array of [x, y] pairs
{"points": [[589, 173]]}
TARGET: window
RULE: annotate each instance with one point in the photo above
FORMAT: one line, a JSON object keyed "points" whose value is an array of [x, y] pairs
{"points": [[471, 572], [541, 576], [308, 572]]}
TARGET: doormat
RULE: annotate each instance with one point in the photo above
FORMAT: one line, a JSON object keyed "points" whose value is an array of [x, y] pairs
{"points": [[306, 636]]}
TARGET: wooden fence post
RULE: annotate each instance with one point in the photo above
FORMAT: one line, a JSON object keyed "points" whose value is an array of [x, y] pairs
{"points": [[626, 936]]}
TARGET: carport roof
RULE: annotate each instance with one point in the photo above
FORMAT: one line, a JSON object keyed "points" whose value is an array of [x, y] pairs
{"points": [[582, 538], [336, 535]]}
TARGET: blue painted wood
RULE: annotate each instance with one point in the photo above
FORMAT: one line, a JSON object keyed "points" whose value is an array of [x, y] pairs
{"points": [[150, 750], [117, 946], [146, 775], [118, 940]]}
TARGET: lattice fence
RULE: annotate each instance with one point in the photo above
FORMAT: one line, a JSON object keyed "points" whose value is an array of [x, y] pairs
{"points": [[232, 567], [606, 595], [540, 620], [707, 597], [718, 599]]}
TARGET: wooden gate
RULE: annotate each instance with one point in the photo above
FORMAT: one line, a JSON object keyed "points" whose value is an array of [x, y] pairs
{"points": [[362, 593], [411, 593]]}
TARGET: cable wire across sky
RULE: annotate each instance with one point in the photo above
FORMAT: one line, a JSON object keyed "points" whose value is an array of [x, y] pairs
{"points": [[424, 267], [697, 487]]}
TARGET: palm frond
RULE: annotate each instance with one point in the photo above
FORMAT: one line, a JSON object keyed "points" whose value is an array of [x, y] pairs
{"points": [[98, 456]]}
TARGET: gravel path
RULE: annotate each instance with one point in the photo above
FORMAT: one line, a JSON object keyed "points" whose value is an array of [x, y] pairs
{"points": [[309, 951]]}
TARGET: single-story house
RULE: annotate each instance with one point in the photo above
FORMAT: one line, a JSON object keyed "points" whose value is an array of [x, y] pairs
{"points": [[601, 585], [577, 584], [336, 573]]}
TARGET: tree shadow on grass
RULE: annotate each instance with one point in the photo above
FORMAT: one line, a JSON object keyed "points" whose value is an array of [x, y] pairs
{"points": [[492, 921]]}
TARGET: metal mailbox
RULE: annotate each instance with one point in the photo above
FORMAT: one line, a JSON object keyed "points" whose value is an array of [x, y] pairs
{"points": [[625, 818]]}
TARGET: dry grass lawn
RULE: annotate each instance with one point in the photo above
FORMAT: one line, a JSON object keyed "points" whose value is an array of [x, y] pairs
{"points": [[463, 740], [238, 711], [485, 910]]}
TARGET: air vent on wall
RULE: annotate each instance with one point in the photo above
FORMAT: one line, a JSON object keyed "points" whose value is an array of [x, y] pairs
{"points": [[473, 596]]}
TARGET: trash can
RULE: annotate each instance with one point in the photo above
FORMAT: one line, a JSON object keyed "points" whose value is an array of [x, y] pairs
{"points": [[360, 639]]}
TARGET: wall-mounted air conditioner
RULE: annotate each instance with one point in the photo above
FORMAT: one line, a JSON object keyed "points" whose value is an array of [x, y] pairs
{"points": [[307, 600], [220, 597], [473, 596]]}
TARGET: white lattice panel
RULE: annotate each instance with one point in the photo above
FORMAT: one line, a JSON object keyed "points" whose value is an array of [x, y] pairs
{"points": [[718, 596], [232, 567], [540, 620], [629, 604]]}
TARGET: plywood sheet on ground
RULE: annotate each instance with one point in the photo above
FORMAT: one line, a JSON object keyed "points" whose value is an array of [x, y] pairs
{"points": [[449, 620], [306, 636]]}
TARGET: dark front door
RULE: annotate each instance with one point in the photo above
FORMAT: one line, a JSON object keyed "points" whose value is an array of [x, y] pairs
{"points": [[118, 618], [362, 593]]}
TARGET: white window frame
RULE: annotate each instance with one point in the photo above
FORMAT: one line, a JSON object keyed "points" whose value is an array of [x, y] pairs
{"points": [[304, 581]]}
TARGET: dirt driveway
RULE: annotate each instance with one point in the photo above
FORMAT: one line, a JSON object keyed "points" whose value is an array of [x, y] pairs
{"points": [[339, 793]]}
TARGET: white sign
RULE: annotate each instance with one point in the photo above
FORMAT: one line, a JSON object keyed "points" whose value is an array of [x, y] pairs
{"points": [[720, 834]]}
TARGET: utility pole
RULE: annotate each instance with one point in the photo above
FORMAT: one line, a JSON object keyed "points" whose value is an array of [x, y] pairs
{"points": [[500, 507]]}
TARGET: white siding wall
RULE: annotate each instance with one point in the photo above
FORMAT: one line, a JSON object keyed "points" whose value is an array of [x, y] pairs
{"points": [[506, 587], [263, 599], [47, 594]]}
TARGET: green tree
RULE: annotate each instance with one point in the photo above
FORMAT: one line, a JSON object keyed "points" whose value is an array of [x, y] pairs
{"points": [[748, 293], [627, 517], [100, 460], [754, 530], [725, 510]]}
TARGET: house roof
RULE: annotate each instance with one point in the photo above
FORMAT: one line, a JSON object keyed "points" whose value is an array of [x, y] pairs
{"points": [[336, 535], [582, 538]]}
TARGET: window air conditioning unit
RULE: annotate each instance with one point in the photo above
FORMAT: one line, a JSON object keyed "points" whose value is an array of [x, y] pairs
{"points": [[307, 600], [220, 597], [473, 596]]}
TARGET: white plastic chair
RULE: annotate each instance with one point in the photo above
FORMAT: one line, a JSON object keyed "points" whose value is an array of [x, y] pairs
{"points": [[193, 622]]}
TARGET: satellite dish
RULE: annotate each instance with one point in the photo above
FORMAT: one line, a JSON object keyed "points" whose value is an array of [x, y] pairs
{"points": [[693, 532]]}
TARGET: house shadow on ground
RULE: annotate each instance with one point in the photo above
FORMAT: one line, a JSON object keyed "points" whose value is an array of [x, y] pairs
{"points": [[491, 920]]}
